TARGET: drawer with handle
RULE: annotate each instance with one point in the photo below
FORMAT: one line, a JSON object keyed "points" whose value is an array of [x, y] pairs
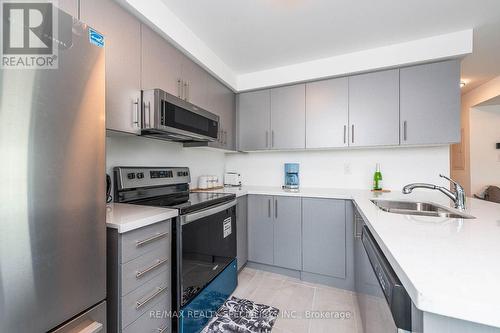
{"points": [[92, 321], [155, 320], [140, 270], [138, 242], [139, 301]]}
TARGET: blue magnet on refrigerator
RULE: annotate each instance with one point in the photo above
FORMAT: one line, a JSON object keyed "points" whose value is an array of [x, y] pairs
{"points": [[292, 176]]}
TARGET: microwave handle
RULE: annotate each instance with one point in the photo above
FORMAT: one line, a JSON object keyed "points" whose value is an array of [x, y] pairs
{"points": [[147, 114], [136, 113]]}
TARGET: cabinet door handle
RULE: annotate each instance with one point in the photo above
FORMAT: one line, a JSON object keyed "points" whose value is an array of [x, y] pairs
{"points": [[186, 97], [272, 139], [269, 208], [345, 134], [405, 130], [157, 264], [179, 88], [267, 139], [162, 329], [151, 239], [140, 304], [225, 137], [94, 327], [352, 128], [276, 208]]}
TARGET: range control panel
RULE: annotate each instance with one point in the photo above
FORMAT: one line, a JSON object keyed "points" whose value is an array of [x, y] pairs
{"points": [[135, 177]]}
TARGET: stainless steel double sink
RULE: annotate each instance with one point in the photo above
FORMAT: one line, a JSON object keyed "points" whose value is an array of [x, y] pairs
{"points": [[419, 208]]}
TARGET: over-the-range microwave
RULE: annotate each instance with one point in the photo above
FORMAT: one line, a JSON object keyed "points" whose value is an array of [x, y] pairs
{"points": [[167, 117]]}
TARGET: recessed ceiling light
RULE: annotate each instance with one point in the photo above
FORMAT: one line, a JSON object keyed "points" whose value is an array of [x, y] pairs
{"points": [[462, 84]]}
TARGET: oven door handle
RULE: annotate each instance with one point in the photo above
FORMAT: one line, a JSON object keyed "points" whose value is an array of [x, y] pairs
{"points": [[188, 218]]}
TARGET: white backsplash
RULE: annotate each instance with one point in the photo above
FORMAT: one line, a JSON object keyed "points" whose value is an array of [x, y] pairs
{"points": [[352, 168], [138, 151]]}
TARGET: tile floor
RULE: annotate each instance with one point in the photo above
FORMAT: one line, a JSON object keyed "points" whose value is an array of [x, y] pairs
{"points": [[301, 303]]}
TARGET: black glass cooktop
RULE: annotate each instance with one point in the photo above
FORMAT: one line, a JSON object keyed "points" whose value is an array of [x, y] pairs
{"points": [[202, 200], [187, 202]]}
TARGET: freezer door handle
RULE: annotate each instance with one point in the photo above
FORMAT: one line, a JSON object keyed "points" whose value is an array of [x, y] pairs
{"points": [[95, 327]]}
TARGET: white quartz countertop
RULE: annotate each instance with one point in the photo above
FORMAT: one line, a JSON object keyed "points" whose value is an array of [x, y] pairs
{"points": [[125, 217], [450, 267]]}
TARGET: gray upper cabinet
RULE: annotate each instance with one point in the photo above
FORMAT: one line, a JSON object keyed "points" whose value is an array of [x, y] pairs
{"points": [[324, 236], [242, 231], [430, 103], [261, 229], [161, 63], [254, 117], [123, 62], [195, 81], [327, 113], [287, 232], [374, 109], [288, 117], [221, 101], [69, 6]]}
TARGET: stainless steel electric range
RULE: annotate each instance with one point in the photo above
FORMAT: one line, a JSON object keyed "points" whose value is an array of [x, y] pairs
{"points": [[204, 270]]}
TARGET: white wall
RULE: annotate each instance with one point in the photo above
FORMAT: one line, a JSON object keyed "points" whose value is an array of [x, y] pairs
{"points": [[471, 99], [484, 157], [400, 166], [137, 151]]}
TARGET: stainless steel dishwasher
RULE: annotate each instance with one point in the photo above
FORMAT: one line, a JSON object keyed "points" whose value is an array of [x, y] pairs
{"points": [[384, 304]]}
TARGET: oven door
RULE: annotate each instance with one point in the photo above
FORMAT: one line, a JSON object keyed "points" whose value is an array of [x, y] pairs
{"points": [[206, 246]]}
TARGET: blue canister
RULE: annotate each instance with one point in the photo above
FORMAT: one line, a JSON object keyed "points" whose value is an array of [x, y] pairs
{"points": [[291, 176]]}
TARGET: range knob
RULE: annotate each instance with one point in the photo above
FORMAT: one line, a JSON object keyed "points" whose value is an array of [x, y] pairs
{"points": [[131, 175], [140, 175]]}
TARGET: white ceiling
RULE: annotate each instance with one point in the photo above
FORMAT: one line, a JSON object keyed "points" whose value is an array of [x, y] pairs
{"points": [[254, 35]]}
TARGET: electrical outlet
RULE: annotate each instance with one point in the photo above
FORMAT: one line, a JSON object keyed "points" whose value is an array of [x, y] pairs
{"points": [[347, 168]]}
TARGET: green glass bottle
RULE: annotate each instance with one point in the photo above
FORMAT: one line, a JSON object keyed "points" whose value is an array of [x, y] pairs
{"points": [[377, 179]]}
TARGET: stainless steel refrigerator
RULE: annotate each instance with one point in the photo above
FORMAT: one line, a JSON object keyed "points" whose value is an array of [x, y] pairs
{"points": [[52, 190]]}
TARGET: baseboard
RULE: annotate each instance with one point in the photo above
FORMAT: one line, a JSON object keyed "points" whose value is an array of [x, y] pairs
{"points": [[329, 281]]}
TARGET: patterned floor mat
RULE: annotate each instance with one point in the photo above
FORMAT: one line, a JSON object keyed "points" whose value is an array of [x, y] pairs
{"points": [[242, 316]]}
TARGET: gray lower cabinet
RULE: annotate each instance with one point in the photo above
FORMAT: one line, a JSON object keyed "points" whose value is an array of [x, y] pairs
{"points": [[260, 229], [139, 279], [374, 109], [274, 231], [254, 120], [430, 103], [122, 33], [327, 113], [288, 117], [324, 236], [287, 232], [242, 231]]}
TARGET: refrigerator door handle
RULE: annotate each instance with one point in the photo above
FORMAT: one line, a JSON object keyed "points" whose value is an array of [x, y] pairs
{"points": [[95, 327]]}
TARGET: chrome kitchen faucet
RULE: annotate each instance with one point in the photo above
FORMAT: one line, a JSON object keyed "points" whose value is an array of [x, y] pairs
{"points": [[458, 196]]}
